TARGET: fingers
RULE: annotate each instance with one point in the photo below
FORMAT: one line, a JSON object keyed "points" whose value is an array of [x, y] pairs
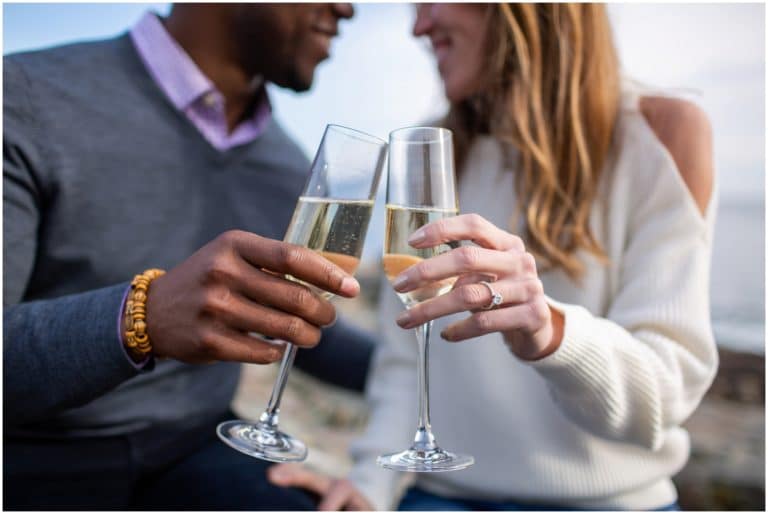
{"points": [[240, 314], [336, 494], [465, 227], [359, 503], [292, 475], [464, 260], [468, 279], [343, 495], [529, 317], [470, 297], [227, 345], [299, 262], [284, 295]]}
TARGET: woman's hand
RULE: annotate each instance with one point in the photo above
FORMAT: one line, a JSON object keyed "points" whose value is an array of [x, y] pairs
{"points": [[529, 326], [335, 494]]}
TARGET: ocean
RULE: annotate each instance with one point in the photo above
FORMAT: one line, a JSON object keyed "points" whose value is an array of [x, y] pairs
{"points": [[738, 275]]}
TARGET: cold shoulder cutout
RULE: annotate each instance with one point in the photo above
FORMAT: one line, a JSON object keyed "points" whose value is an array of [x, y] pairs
{"points": [[684, 129]]}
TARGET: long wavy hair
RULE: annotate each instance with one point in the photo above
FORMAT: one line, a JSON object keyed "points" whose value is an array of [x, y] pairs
{"points": [[552, 92]]}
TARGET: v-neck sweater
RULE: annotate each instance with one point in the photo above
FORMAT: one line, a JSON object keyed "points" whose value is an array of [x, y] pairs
{"points": [[103, 178]]}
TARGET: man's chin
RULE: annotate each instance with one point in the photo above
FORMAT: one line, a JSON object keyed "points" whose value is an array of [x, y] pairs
{"points": [[296, 81]]}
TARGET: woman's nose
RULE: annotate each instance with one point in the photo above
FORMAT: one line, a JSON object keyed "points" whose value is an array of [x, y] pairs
{"points": [[423, 23]]}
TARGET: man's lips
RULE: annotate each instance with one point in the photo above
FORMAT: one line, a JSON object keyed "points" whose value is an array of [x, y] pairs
{"points": [[325, 34], [322, 40], [329, 31]]}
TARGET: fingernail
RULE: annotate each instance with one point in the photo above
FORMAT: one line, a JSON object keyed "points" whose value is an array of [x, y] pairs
{"points": [[445, 334], [350, 285], [333, 322], [400, 281], [404, 318], [417, 237]]}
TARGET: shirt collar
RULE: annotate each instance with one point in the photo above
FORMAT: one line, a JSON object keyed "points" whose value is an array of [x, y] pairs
{"points": [[168, 64], [175, 71]]}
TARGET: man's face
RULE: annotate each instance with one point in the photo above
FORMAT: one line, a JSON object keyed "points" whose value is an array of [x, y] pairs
{"points": [[286, 42]]}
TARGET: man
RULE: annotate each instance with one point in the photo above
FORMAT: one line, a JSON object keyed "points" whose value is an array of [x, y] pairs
{"points": [[157, 149]]}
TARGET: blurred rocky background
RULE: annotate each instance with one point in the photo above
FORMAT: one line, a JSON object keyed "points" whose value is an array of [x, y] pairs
{"points": [[726, 470]]}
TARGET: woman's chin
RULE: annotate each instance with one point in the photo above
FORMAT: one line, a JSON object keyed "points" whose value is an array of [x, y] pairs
{"points": [[454, 95], [457, 92]]}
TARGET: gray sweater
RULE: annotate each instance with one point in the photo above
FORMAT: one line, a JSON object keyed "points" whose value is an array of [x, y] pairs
{"points": [[103, 178]]}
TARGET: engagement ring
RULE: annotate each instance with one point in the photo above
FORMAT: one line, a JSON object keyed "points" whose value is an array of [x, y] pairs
{"points": [[496, 297]]}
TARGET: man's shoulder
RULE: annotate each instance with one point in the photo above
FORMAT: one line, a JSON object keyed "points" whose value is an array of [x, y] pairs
{"points": [[73, 61]]}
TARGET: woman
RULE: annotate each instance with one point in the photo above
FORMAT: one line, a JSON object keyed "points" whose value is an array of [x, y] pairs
{"points": [[591, 216]]}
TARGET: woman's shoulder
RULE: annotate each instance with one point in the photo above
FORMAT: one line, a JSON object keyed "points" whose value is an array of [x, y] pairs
{"points": [[665, 125], [685, 131]]}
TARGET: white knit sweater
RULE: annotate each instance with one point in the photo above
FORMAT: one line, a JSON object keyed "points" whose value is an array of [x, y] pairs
{"points": [[598, 423]]}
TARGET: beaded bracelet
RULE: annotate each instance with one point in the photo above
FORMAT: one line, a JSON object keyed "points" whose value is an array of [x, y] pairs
{"points": [[136, 337]]}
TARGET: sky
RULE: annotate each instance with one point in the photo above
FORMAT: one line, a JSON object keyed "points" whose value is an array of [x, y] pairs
{"points": [[380, 78]]}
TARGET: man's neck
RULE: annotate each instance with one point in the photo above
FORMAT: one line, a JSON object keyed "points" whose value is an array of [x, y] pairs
{"points": [[212, 52]]}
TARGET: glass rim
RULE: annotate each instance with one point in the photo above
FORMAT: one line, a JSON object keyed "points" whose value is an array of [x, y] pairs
{"points": [[442, 131], [356, 134]]}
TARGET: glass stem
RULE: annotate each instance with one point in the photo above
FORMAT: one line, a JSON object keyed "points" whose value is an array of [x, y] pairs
{"points": [[269, 417], [424, 440]]}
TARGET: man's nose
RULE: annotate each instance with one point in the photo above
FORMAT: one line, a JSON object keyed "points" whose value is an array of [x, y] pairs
{"points": [[343, 10]]}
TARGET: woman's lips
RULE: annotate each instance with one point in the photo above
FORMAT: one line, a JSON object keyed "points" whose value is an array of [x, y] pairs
{"points": [[441, 52], [442, 49]]}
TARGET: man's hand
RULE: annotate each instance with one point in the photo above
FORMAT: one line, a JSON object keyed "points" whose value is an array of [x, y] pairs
{"points": [[202, 310], [335, 494]]}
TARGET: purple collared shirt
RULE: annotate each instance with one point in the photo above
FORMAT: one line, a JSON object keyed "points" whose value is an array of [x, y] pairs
{"points": [[190, 91], [193, 94]]}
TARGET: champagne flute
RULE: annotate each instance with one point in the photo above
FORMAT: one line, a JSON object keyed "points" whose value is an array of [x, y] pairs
{"points": [[331, 217], [421, 188]]}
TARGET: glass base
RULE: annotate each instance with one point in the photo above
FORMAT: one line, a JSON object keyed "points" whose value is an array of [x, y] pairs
{"points": [[261, 441], [425, 460]]}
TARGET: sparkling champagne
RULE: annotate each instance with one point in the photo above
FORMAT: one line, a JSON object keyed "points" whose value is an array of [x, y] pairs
{"points": [[399, 255], [335, 228]]}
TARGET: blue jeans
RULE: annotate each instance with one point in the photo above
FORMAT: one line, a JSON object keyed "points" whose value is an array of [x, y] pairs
{"points": [[419, 500], [102, 474]]}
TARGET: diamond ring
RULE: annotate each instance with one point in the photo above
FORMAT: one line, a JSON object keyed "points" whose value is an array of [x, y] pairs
{"points": [[496, 297]]}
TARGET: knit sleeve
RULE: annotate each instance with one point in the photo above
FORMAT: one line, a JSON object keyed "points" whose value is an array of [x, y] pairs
{"points": [[644, 366], [24, 166], [57, 353], [391, 395]]}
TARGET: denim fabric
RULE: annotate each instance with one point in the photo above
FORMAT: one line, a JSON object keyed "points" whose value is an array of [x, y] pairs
{"points": [[197, 472], [218, 478], [419, 500]]}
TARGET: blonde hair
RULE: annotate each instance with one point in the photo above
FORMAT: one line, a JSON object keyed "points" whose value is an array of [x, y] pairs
{"points": [[552, 92]]}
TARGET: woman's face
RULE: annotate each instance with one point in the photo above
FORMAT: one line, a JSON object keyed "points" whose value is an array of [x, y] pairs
{"points": [[457, 33]]}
